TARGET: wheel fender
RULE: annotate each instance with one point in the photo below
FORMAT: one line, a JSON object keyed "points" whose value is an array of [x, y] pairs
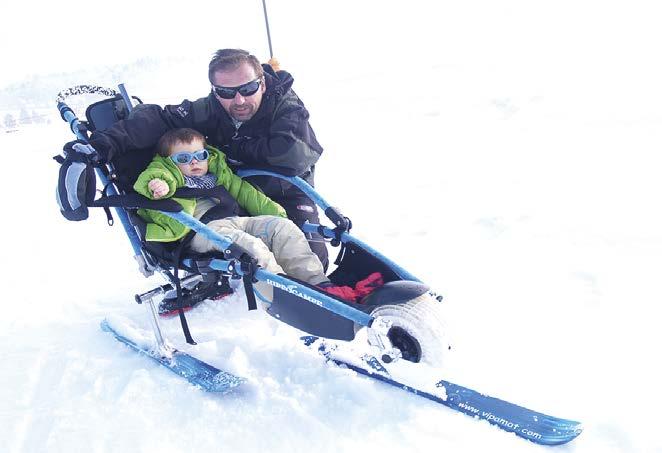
{"points": [[394, 293]]}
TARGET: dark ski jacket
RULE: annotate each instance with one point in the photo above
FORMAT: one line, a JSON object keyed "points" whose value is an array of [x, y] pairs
{"points": [[277, 138]]}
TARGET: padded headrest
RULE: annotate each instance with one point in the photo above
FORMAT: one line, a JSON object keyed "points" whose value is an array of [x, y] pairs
{"points": [[129, 164], [103, 114]]}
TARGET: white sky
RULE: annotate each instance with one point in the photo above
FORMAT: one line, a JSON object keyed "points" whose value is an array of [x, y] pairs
{"points": [[44, 36], [565, 36]]}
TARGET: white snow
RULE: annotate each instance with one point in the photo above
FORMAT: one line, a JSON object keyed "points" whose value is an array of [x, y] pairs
{"points": [[506, 153]]}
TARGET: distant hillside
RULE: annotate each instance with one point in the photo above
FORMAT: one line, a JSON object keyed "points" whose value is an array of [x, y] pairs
{"points": [[40, 90]]}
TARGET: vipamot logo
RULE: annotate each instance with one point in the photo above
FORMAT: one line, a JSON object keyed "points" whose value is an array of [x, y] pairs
{"points": [[294, 289]]}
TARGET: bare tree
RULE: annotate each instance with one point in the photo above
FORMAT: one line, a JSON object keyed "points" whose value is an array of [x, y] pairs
{"points": [[10, 121], [24, 117]]}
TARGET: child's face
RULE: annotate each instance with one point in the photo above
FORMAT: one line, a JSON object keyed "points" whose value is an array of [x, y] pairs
{"points": [[195, 167]]}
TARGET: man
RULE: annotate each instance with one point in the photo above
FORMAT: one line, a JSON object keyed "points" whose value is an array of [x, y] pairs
{"points": [[253, 116]]}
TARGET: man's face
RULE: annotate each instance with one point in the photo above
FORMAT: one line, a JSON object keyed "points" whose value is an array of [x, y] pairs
{"points": [[241, 108]]}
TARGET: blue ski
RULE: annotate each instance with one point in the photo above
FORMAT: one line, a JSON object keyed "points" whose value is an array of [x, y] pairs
{"points": [[534, 426], [194, 370]]}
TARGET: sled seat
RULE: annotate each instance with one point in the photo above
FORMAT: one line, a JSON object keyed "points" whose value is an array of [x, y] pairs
{"points": [[126, 167]]}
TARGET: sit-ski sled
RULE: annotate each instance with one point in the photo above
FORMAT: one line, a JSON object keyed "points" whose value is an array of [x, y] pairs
{"points": [[402, 319]]}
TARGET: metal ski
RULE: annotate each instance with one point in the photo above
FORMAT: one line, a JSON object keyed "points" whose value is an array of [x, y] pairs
{"points": [[194, 370], [534, 426]]}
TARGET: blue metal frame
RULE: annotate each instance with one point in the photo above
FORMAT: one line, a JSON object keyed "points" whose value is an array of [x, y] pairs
{"points": [[295, 180], [126, 97], [326, 231], [348, 238], [186, 219]]}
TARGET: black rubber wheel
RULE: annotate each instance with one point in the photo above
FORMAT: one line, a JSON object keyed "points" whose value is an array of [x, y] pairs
{"points": [[408, 345]]}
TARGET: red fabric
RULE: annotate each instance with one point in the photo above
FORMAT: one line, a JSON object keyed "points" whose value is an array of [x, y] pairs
{"points": [[369, 284], [362, 289], [344, 292]]}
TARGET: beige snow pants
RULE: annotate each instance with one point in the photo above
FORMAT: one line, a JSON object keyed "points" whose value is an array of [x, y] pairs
{"points": [[277, 243]]}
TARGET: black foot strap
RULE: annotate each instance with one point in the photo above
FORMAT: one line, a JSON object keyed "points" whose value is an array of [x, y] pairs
{"points": [[250, 294], [178, 286]]}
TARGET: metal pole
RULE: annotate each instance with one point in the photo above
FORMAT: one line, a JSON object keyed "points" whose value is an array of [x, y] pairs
{"points": [[161, 345], [266, 20], [125, 96]]}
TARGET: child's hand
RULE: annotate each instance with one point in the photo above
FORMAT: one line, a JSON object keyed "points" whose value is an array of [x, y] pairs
{"points": [[158, 187]]}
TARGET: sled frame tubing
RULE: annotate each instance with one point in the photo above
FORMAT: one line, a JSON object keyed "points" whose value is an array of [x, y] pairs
{"points": [[328, 209], [233, 267]]}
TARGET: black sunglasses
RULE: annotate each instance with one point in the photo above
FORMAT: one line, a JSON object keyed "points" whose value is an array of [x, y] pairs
{"points": [[247, 89]]}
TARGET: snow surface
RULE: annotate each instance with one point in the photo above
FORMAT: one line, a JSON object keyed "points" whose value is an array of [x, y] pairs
{"points": [[506, 154]]}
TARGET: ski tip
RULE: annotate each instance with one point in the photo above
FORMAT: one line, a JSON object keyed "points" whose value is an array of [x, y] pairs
{"points": [[105, 326]]}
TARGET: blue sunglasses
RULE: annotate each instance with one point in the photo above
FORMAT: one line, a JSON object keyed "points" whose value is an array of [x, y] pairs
{"points": [[186, 158]]}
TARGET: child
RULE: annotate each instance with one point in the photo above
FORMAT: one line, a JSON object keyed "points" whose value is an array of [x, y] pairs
{"points": [[278, 245]]}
